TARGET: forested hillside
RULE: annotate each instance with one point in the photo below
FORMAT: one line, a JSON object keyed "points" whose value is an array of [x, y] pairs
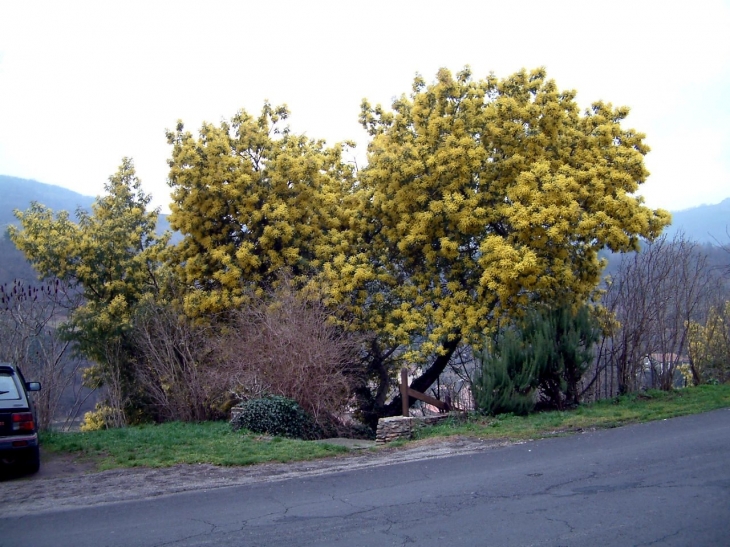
{"points": [[19, 193], [706, 223]]}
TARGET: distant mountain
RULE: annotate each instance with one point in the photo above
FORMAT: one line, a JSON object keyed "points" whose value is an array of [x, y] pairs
{"points": [[19, 193], [706, 223]]}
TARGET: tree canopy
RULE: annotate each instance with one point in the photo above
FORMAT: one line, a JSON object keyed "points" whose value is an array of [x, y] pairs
{"points": [[484, 196], [480, 200], [111, 257], [109, 254], [251, 199]]}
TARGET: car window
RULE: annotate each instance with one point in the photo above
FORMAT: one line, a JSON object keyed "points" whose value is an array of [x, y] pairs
{"points": [[8, 389]]}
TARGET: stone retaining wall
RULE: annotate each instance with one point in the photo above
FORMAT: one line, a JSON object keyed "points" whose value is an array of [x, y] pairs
{"points": [[236, 412], [402, 427]]}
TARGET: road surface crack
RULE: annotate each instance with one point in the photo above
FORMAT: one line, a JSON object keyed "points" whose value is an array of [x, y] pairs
{"points": [[661, 540], [191, 536]]}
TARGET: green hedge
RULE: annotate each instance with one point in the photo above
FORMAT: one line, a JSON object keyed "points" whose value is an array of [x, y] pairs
{"points": [[275, 415]]}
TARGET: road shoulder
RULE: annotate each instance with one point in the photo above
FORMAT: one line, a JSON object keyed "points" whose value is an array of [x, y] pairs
{"points": [[66, 483]]}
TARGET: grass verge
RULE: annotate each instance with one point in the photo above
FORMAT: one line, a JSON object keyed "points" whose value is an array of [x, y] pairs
{"points": [[174, 443], [214, 442], [628, 409]]}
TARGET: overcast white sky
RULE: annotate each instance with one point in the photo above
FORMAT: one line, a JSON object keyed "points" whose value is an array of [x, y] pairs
{"points": [[83, 84]]}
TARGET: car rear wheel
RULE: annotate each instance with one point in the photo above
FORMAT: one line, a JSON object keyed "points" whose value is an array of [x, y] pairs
{"points": [[33, 460]]}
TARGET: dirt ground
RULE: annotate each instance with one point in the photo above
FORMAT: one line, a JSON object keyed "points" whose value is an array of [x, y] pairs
{"points": [[65, 482]]}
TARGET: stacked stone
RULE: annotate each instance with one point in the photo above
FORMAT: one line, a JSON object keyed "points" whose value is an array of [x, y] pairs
{"points": [[401, 427], [236, 412], [391, 429], [434, 419]]}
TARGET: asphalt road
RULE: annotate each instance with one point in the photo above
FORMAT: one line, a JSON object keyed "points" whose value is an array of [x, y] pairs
{"points": [[661, 483]]}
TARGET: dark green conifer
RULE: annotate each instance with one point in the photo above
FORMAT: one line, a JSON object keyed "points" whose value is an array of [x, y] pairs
{"points": [[542, 358]]}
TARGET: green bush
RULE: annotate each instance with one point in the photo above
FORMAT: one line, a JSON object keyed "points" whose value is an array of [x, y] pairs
{"points": [[506, 380], [561, 343], [275, 415], [543, 356]]}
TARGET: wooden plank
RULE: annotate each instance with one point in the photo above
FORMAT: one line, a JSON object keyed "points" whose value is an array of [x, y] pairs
{"points": [[406, 392], [428, 399]]}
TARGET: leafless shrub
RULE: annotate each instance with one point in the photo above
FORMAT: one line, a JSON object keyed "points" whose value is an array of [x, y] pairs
{"points": [[651, 301], [29, 320], [286, 344], [175, 369], [454, 385]]}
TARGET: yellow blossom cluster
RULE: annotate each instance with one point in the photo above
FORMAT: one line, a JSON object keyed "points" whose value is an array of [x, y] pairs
{"points": [[110, 254], [482, 197], [251, 200]]}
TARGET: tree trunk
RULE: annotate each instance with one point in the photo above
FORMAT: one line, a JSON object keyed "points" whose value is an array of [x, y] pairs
{"points": [[424, 381]]}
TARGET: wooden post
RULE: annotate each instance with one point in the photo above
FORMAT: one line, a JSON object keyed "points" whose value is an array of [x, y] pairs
{"points": [[404, 391]]}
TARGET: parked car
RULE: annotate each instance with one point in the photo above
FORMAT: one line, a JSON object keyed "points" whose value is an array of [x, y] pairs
{"points": [[18, 429]]}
